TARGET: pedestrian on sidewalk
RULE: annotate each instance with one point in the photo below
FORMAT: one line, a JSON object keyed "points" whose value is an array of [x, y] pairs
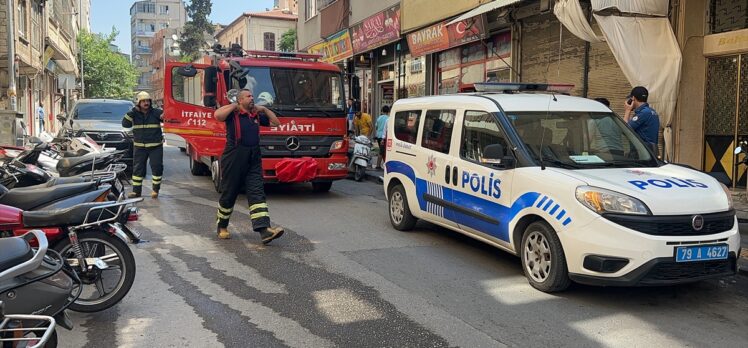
{"points": [[363, 124], [40, 114], [351, 112], [381, 129], [641, 117], [241, 164], [148, 143]]}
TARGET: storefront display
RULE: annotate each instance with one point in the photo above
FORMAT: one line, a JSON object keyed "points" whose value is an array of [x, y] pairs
{"points": [[459, 68]]}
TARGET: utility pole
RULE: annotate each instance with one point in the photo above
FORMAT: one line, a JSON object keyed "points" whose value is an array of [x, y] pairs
{"points": [[12, 93]]}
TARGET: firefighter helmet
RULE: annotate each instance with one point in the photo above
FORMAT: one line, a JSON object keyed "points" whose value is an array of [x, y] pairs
{"points": [[142, 96]]}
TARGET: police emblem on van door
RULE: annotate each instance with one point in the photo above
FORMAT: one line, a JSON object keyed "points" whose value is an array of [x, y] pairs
{"points": [[431, 165]]}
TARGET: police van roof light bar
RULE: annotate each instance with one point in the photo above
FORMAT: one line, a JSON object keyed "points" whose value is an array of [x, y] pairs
{"points": [[521, 87]]}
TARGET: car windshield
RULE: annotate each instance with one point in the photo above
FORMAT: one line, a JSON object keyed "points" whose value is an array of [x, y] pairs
{"points": [[580, 140], [101, 111], [314, 91]]}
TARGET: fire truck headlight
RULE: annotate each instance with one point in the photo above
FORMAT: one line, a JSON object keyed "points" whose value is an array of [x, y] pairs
{"points": [[336, 145], [336, 166]]}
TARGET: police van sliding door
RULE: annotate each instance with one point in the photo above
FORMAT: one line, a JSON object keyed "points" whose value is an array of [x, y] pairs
{"points": [[482, 193], [434, 164]]}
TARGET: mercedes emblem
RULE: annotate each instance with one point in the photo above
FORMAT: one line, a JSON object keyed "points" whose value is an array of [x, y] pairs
{"points": [[292, 143], [697, 222]]}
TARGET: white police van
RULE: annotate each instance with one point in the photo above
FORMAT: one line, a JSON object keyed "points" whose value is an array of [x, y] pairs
{"points": [[561, 182]]}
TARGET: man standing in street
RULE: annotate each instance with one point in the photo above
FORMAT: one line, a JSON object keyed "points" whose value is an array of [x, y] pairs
{"points": [[40, 114], [351, 110], [381, 129], [362, 124], [642, 118], [148, 141], [241, 164]]}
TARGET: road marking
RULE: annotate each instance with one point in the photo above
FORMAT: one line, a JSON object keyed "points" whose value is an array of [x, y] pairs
{"points": [[198, 246], [342, 306], [287, 330]]}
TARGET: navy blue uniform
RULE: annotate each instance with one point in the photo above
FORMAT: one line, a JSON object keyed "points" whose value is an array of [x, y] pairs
{"points": [[241, 165], [646, 123]]}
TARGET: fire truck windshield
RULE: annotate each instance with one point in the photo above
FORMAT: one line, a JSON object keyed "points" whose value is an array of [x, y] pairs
{"points": [[315, 92]]}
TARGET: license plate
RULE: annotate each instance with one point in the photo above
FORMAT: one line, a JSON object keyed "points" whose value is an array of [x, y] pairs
{"points": [[701, 253]]}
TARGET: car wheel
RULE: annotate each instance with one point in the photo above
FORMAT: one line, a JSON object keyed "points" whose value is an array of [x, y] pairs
{"points": [[543, 259], [400, 215]]}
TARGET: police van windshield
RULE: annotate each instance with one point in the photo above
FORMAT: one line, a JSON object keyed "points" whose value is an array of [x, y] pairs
{"points": [[581, 140], [315, 92]]}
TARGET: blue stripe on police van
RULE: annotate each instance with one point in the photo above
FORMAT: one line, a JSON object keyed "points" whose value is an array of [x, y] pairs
{"points": [[561, 214], [547, 204], [567, 221], [542, 200], [553, 211]]}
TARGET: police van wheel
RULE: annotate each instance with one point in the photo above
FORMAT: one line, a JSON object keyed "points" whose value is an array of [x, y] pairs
{"points": [[400, 215], [543, 259]]}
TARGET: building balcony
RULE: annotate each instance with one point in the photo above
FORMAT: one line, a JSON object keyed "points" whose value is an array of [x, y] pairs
{"points": [[143, 33], [143, 50]]}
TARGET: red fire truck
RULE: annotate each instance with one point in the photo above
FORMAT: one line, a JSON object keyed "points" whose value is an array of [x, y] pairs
{"points": [[310, 145]]}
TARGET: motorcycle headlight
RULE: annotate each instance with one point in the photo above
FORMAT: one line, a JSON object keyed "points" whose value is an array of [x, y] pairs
{"points": [[604, 201], [728, 193]]}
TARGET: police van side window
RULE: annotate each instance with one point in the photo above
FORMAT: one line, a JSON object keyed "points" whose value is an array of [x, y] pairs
{"points": [[437, 130], [406, 125], [479, 130]]}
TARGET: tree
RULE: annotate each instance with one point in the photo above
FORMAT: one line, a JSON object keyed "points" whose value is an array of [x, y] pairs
{"points": [[107, 74], [193, 37], [288, 41]]}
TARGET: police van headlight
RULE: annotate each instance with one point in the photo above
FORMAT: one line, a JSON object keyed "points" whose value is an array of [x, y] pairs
{"points": [[604, 201], [728, 193]]}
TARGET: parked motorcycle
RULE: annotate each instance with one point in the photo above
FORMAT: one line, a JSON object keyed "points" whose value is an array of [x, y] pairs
{"points": [[35, 287], [90, 241], [360, 157]]}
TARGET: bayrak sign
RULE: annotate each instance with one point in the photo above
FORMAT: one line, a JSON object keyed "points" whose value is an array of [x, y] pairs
{"points": [[441, 36], [377, 30]]}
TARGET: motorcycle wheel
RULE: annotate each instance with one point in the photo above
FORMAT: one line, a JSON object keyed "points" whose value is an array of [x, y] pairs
{"points": [[94, 296], [360, 173]]}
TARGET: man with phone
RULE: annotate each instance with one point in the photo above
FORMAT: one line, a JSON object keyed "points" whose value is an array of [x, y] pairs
{"points": [[241, 164], [641, 117]]}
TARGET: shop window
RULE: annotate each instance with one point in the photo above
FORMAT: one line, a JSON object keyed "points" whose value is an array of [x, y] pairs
{"points": [[479, 130], [473, 73], [310, 8], [449, 81], [499, 76], [449, 58], [727, 15], [269, 41], [473, 52], [406, 125], [437, 130]]}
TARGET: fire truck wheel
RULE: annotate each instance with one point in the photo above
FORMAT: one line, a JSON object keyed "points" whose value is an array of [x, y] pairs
{"points": [[321, 187], [197, 168]]}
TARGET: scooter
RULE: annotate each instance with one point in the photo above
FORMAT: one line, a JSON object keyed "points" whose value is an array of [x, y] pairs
{"points": [[35, 287], [90, 241], [360, 157]]}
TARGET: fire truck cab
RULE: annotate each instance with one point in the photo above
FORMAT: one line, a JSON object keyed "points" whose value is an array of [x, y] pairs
{"points": [[310, 144]]}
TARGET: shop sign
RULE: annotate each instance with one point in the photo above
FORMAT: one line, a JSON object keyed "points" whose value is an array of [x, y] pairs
{"points": [[336, 48], [441, 36], [377, 30], [726, 43]]}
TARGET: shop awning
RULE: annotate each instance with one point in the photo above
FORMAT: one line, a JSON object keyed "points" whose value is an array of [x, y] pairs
{"points": [[483, 9]]}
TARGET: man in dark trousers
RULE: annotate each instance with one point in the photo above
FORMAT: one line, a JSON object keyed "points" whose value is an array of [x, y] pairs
{"points": [[148, 141], [241, 164]]}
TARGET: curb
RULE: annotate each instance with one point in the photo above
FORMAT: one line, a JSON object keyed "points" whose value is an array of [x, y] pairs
{"points": [[743, 262]]}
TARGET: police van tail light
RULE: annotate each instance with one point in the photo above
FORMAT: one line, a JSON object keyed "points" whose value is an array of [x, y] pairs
{"points": [[604, 201], [338, 146]]}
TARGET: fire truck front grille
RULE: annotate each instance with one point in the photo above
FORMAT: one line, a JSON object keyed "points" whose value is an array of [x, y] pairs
{"points": [[290, 146]]}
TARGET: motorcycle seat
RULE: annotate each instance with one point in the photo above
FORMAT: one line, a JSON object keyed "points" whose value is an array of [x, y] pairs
{"points": [[57, 181], [26, 198], [72, 216], [69, 162], [14, 251]]}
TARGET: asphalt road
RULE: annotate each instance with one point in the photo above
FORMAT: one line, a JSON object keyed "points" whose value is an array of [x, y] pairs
{"points": [[341, 276]]}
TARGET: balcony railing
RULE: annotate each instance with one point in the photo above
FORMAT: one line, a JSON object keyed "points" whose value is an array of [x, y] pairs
{"points": [[144, 33], [143, 50]]}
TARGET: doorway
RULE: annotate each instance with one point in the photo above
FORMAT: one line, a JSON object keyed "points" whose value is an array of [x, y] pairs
{"points": [[726, 116]]}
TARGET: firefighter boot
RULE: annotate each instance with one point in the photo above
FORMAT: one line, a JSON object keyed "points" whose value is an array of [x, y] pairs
{"points": [[133, 195], [223, 233], [271, 233], [154, 194]]}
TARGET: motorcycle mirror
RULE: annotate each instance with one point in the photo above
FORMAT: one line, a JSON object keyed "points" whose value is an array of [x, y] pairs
{"points": [[61, 117], [738, 150], [35, 140], [232, 95]]}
